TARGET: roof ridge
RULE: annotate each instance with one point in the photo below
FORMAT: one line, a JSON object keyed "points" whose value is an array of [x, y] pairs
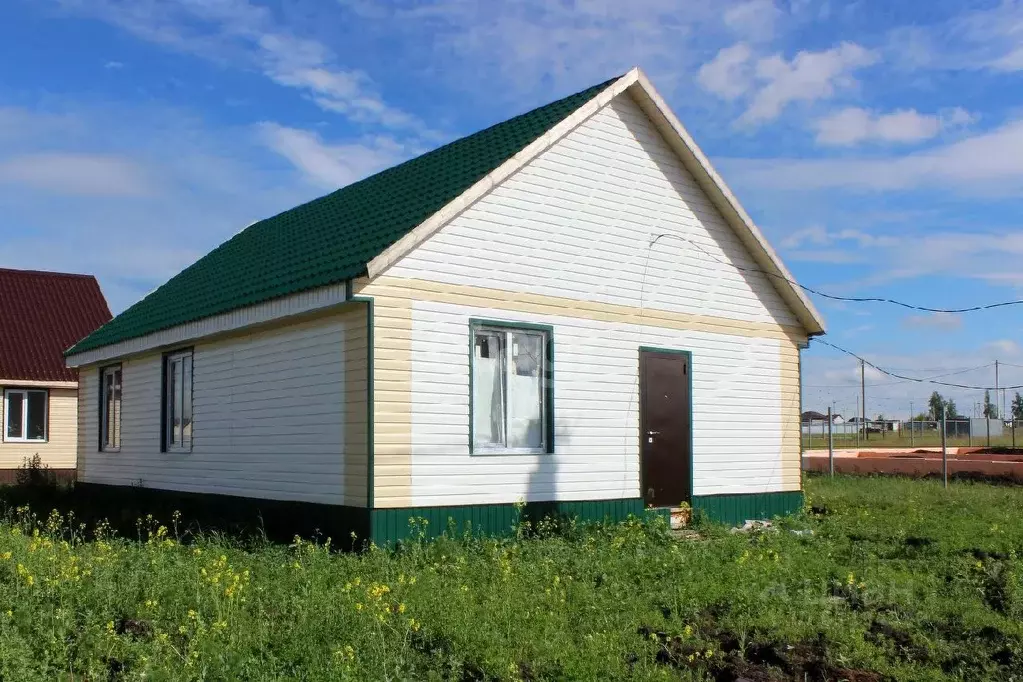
{"points": [[48, 273]]}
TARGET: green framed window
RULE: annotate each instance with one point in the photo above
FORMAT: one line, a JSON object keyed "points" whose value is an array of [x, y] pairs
{"points": [[511, 388]]}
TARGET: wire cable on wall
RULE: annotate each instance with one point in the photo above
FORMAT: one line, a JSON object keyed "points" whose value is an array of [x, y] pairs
{"points": [[846, 299]]}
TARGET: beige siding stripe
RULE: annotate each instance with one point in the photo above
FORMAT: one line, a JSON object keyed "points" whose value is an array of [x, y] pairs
{"points": [[392, 398], [394, 289], [59, 450], [788, 361], [356, 454]]}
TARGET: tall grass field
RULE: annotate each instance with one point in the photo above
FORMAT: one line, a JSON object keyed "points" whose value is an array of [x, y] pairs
{"points": [[879, 579]]}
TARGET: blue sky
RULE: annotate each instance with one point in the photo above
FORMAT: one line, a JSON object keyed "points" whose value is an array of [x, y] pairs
{"points": [[879, 145]]}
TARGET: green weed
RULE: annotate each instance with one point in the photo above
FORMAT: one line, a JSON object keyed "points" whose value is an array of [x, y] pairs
{"points": [[880, 578]]}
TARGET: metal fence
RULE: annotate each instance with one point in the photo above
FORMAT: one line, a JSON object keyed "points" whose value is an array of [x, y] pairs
{"points": [[977, 432]]}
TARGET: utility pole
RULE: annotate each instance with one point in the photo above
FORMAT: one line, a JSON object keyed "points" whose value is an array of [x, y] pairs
{"points": [[996, 390], [831, 445], [944, 453], [858, 419], [863, 399], [912, 436]]}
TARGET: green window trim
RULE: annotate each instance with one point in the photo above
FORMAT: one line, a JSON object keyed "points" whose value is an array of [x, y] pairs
{"points": [[474, 325]]}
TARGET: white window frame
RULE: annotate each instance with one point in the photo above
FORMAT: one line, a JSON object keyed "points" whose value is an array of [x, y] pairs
{"points": [[546, 409], [24, 415], [168, 402], [104, 441]]}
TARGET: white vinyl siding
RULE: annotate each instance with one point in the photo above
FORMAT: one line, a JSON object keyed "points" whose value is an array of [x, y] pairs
{"points": [[577, 223], [268, 417], [737, 438]]}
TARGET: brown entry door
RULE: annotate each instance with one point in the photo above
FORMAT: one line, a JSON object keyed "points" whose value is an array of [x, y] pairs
{"points": [[665, 421]]}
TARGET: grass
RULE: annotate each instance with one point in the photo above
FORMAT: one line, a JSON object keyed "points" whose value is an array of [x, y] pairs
{"points": [[884, 579]]}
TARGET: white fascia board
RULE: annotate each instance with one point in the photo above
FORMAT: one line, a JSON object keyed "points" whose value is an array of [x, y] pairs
{"points": [[233, 320]]}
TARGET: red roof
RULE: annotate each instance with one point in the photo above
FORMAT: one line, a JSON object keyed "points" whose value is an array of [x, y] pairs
{"points": [[42, 314]]}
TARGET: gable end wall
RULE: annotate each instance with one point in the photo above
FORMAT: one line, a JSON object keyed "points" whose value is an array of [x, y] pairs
{"points": [[566, 242]]}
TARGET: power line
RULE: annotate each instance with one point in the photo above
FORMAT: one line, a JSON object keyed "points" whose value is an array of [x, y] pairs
{"points": [[833, 297], [906, 381], [906, 378]]}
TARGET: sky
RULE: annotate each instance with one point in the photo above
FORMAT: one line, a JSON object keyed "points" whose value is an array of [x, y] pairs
{"points": [[878, 145]]}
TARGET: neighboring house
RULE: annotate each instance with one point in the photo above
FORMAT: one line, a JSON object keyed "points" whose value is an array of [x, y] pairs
{"points": [[566, 308], [41, 315], [837, 419], [810, 416]]}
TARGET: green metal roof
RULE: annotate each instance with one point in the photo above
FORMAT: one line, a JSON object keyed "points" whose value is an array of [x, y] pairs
{"points": [[331, 239]]}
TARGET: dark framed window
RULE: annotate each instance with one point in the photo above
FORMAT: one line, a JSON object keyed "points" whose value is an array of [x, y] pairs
{"points": [[177, 401], [110, 409], [511, 388]]}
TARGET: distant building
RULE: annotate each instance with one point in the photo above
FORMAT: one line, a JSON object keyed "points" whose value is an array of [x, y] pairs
{"points": [[42, 314]]}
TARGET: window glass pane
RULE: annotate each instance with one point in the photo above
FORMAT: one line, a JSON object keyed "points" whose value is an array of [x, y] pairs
{"points": [[111, 408], [173, 423], [525, 391], [488, 388], [115, 441], [15, 413], [36, 418], [107, 413], [186, 402]]}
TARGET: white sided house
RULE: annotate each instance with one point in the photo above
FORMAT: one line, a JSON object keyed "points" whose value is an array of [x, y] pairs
{"points": [[568, 309]]}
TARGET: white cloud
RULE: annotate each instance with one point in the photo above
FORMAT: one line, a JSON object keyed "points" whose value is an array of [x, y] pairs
{"points": [[807, 77], [131, 203], [853, 125], [754, 19], [113, 65], [817, 235], [535, 48], [771, 83], [331, 166], [83, 174], [935, 321], [1005, 347], [975, 39], [830, 376], [729, 74], [989, 163], [230, 31]]}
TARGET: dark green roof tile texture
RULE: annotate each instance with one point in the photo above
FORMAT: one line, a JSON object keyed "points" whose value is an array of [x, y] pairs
{"points": [[331, 239]]}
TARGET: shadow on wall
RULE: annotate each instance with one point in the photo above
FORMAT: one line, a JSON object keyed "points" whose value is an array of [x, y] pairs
{"points": [[542, 487]]}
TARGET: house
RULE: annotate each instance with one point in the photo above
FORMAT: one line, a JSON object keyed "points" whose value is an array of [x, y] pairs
{"points": [[811, 416], [566, 309], [41, 315]]}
